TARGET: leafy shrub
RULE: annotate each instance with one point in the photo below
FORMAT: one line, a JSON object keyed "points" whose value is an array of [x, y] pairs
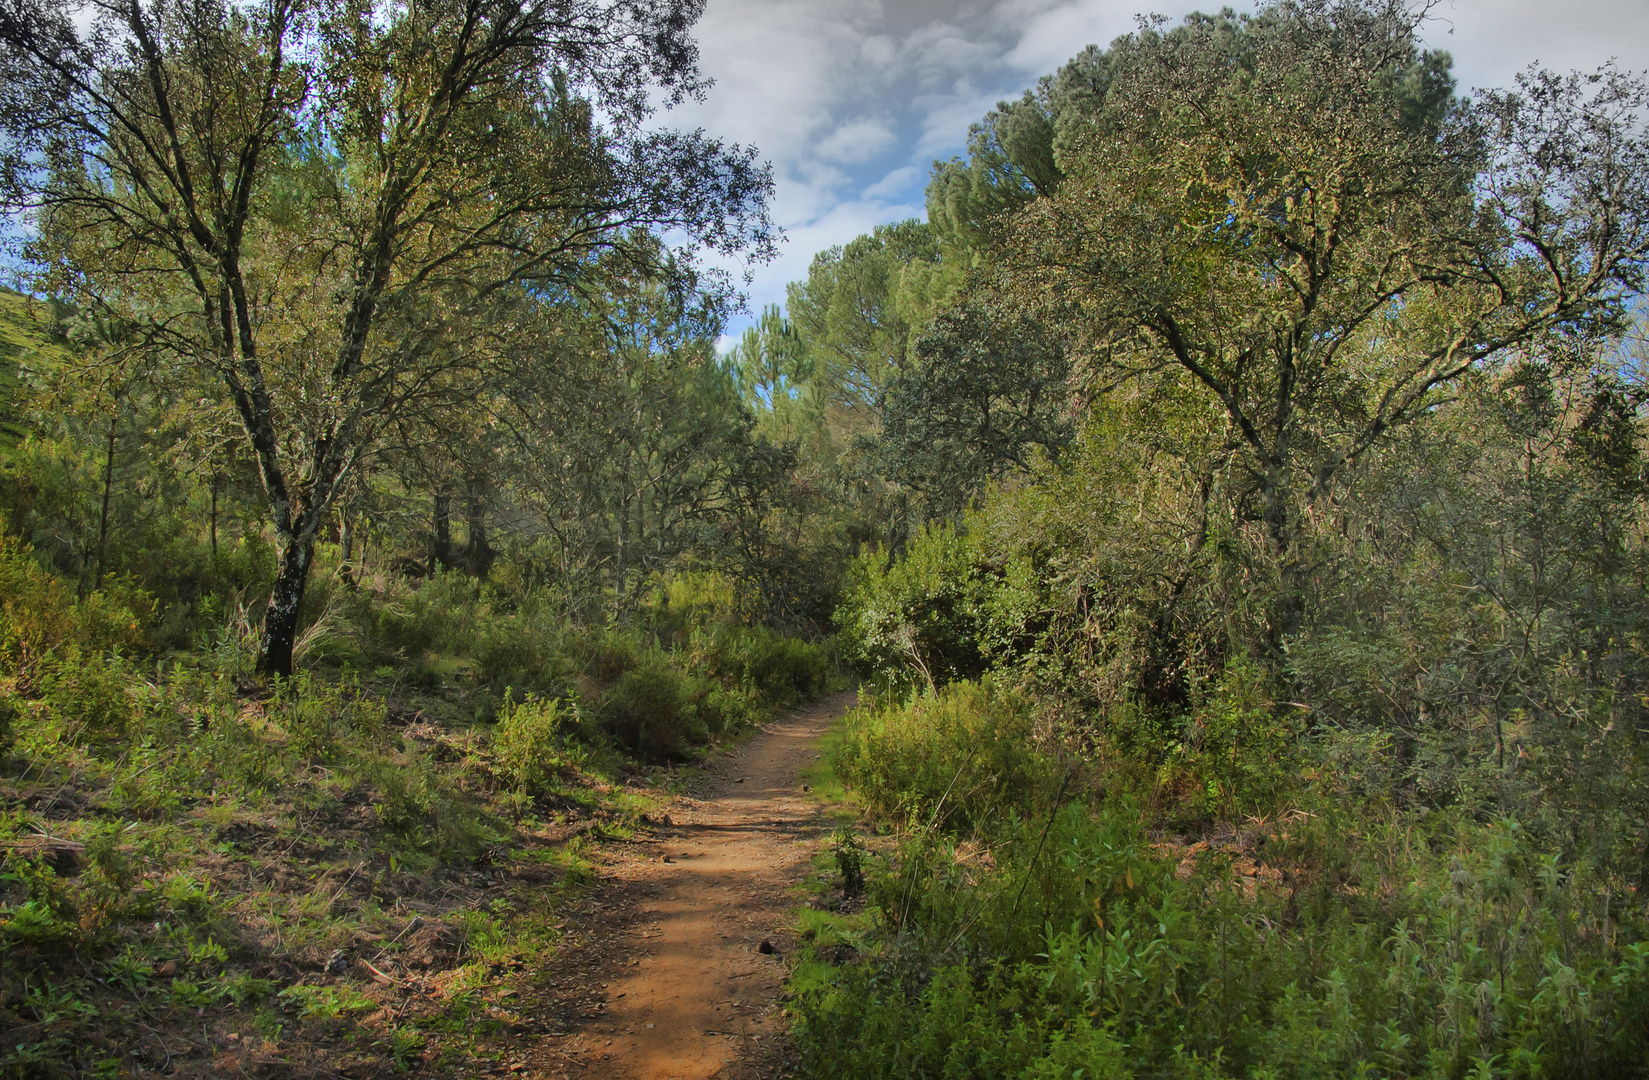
{"points": [[676, 605], [88, 694], [651, 709], [1234, 754], [9, 712], [918, 619], [1084, 949], [605, 655], [529, 742], [318, 716], [420, 804], [781, 669], [39, 615], [33, 924], [954, 757], [48, 918]]}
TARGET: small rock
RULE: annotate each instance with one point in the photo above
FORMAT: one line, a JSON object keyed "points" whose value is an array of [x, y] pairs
{"points": [[766, 948]]}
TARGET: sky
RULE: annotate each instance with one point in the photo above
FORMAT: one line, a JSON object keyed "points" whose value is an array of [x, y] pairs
{"points": [[852, 100]]}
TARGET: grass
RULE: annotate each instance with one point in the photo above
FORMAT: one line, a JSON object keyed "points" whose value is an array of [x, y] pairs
{"points": [[1084, 935], [158, 921], [821, 777]]}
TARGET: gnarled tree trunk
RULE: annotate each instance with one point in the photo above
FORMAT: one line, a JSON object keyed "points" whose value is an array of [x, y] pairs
{"points": [[280, 622]]}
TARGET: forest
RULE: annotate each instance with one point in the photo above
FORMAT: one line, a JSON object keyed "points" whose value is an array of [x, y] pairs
{"points": [[1229, 505]]}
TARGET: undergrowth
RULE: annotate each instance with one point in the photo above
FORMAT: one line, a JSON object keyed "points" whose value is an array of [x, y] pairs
{"points": [[348, 873], [1082, 915]]}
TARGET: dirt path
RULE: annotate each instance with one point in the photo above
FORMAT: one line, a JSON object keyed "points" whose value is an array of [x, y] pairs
{"points": [[666, 976]]}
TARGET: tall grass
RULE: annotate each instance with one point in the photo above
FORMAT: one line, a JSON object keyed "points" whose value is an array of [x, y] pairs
{"points": [[1035, 920]]}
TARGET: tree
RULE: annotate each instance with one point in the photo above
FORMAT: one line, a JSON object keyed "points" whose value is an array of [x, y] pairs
{"points": [[626, 453], [1312, 232], [317, 203], [857, 312], [986, 388]]}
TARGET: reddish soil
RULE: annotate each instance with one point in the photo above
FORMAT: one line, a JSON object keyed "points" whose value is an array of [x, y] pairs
{"points": [[665, 973]]}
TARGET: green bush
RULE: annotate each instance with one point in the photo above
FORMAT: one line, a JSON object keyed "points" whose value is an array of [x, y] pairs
{"points": [[419, 802], [1234, 754], [319, 717], [781, 669], [955, 757], [9, 713], [530, 743], [652, 709], [88, 695], [1084, 952], [40, 615], [918, 619], [676, 605]]}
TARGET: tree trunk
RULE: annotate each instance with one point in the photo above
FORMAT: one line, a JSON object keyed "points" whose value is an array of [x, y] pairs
{"points": [[214, 527], [103, 517], [280, 623], [440, 553], [346, 548], [623, 554], [1288, 607], [478, 553]]}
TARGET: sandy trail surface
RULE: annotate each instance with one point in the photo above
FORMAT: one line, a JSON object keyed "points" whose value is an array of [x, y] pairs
{"points": [[667, 974]]}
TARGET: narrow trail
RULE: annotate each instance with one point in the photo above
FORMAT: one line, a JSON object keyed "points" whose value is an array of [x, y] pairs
{"points": [[666, 976]]}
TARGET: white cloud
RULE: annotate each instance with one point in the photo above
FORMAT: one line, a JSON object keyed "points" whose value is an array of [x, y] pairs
{"points": [[856, 141], [1054, 35], [1492, 40], [880, 51], [851, 99], [890, 186]]}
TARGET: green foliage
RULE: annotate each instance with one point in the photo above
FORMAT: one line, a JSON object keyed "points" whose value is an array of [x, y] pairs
{"points": [[1082, 948], [530, 742], [777, 669], [318, 718], [9, 708], [40, 615], [849, 854], [918, 619], [422, 805], [859, 309], [1235, 754], [952, 758], [323, 1002], [654, 708], [983, 397]]}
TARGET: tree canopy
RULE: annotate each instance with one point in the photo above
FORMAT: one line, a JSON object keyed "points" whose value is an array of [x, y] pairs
{"points": [[335, 211]]}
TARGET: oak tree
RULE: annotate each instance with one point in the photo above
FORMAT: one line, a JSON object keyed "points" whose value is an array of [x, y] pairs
{"points": [[1311, 233], [317, 202]]}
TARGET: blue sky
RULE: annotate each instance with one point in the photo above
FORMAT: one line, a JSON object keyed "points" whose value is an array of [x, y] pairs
{"points": [[852, 100]]}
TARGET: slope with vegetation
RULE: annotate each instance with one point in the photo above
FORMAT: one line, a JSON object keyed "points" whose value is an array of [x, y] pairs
{"points": [[1260, 685], [377, 521]]}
